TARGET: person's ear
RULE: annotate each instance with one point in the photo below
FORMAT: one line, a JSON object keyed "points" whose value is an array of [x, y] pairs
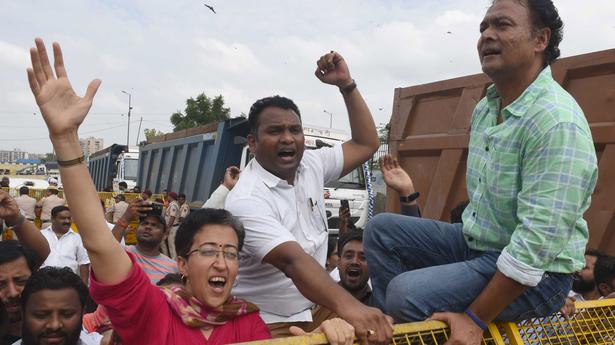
{"points": [[251, 138], [604, 289], [542, 38]]}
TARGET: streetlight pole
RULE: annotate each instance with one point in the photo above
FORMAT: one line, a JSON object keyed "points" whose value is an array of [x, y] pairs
{"points": [[129, 109], [330, 117]]}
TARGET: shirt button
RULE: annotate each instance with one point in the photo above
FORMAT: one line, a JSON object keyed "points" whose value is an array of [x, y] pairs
{"points": [[480, 180], [487, 148], [474, 214]]}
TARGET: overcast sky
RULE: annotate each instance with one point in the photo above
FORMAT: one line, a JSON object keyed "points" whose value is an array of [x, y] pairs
{"points": [[166, 51]]}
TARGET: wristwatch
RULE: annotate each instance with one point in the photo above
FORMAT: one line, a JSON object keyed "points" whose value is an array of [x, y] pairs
{"points": [[409, 198]]}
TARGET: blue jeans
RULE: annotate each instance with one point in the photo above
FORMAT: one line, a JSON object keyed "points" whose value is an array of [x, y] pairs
{"points": [[420, 266]]}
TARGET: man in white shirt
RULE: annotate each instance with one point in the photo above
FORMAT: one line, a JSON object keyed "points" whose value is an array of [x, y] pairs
{"points": [[218, 197], [279, 199], [66, 247], [26, 203]]}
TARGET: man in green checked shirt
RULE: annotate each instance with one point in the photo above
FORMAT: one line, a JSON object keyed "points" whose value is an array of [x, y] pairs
{"points": [[532, 168]]}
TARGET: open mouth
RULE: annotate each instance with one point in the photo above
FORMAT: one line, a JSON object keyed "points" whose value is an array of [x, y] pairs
{"points": [[490, 52], [217, 283], [287, 154], [353, 272]]}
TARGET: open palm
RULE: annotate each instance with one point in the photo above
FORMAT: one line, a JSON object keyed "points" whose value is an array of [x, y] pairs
{"points": [[61, 108], [394, 176]]}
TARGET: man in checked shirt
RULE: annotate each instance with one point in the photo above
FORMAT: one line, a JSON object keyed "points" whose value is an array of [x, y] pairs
{"points": [[532, 168]]}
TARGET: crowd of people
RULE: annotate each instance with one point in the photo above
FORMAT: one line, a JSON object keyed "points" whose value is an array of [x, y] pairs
{"points": [[257, 261]]}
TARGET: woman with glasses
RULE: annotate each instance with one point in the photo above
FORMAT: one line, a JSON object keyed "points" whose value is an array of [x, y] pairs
{"points": [[208, 242]]}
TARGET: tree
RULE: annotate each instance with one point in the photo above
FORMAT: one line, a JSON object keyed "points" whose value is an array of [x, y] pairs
{"points": [[49, 157], [200, 111], [151, 132]]}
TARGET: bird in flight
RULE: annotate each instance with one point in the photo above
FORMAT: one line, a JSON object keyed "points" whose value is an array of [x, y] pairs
{"points": [[210, 7]]}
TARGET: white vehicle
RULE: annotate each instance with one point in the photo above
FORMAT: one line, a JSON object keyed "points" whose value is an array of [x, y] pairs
{"points": [[127, 167], [350, 187], [114, 164]]}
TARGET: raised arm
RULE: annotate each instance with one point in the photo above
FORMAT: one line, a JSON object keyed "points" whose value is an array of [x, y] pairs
{"points": [[137, 208], [64, 112], [332, 69], [27, 233]]}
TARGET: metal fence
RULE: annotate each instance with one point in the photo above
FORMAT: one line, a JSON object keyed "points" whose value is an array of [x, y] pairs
{"points": [[593, 323]]}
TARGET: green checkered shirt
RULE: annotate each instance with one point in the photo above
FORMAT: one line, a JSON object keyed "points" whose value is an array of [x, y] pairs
{"points": [[531, 177]]}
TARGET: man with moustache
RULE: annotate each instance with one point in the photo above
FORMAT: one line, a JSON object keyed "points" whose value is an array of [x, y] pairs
{"points": [[531, 170], [583, 285], [353, 271], [279, 199], [53, 302], [66, 247], [17, 262]]}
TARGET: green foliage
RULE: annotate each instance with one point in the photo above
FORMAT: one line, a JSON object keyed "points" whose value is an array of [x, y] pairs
{"points": [[200, 111], [49, 157], [151, 132]]}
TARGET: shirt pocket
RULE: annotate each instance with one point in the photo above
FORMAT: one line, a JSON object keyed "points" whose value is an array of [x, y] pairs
{"points": [[502, 176]]}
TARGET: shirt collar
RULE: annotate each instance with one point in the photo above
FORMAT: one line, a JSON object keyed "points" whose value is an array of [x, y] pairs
{"points": [[520, 106], [270, 179], [50, 229]]}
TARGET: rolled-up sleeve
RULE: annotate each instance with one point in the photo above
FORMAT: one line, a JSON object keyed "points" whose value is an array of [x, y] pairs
{"points": [[558, 176]]}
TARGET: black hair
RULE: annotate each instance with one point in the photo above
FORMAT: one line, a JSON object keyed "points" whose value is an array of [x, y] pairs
{"points": [[544, 14], [197, 219], [352, 235], [170, 278], [58, 209], [181, 195], [54, 278], [331, 245], [457, 211], [594, 252], [24, 190], [274, 101], [53, 191], [121, 197], [604, 270], [124, 184], [12, 250]]}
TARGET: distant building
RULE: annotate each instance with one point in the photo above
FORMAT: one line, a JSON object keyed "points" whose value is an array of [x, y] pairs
{"points": [[91, 145], [12, 156]]}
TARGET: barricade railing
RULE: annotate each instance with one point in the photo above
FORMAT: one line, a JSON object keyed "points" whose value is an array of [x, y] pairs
{"points": [[592, 323], [106, 197]]}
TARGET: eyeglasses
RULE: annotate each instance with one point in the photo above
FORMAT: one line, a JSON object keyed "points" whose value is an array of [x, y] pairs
{"points": [[211, 251]]}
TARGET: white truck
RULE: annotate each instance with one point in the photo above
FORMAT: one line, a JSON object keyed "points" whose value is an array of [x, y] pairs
{"points": [[113, 165], [351, 187]]}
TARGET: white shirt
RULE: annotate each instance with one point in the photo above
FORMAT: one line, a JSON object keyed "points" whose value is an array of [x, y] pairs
{"points": [[66, 251], [84, 339], [217, 198], [26, 204], [274, 212], [111, 226]]}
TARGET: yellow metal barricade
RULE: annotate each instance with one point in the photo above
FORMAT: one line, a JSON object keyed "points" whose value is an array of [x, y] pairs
{"points": [[423, 333], [593, 323]]}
